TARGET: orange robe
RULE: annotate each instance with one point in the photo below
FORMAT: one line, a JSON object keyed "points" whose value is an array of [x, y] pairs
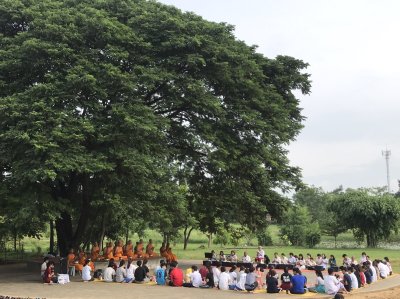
{"points": [[129, 250], [71, 259], [95, 253], [163, 252], [81, 261], [150, 250], [108, 252], [170, 256], [118, 253]]}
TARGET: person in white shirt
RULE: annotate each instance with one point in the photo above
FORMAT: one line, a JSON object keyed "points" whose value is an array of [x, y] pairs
{"points": [[292, 259], [120, 274], [224, 279], [86, 272], [216, 273], [354, 281], [346, 260], [43, 267], [195, 279], [284, 259], [233, 275], [130, 271], [384, 270], [277, 259], [233, 257], [246, 258], [260, 255], [387, 262], [242, 280], [109, 272], [374, 274], [332, 284], [363, 258]]}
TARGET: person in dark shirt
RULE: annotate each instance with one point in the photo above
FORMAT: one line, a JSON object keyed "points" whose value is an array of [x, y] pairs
{"points": [[272, 283], [140, 273], [210, 277], [346, 279], [49, 276], [367, 273], [286, 277]]}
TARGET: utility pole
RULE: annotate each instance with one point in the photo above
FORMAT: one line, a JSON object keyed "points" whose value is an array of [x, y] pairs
{"points": [[386, 154]]}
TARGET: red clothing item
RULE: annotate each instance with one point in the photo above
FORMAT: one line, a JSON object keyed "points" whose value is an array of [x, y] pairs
{"points": [[203, 272], [176, 277], [362, 278], [47, 275]]}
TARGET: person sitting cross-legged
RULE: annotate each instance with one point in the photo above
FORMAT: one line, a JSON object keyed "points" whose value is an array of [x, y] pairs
{"points": [[298, 282]]}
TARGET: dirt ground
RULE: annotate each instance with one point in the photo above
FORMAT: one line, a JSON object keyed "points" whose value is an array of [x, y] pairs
{"points": [[16, 281]]}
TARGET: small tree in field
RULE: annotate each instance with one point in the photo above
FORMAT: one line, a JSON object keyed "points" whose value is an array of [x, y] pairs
{"points": [[298, 227]]}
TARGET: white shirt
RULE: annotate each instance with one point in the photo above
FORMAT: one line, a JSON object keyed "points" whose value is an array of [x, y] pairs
{"points": [[233, 276], [246, 259], [260, 253], [276, 260], [284, 260], [374, 276], [120, 274], [384, 270], [332, 285], [108, 274], [292, 260], [319, 281], [242, 280], [195, 278], [354, 281], [130, 272], [224, 279], [325, 263], [43, 268], [216, 274], [86, 273]]}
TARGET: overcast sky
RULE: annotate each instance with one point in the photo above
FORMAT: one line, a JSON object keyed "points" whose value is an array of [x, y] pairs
{"points": [[353, 48]]}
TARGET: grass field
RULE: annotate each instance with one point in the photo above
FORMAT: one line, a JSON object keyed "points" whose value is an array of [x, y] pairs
{"points": [[198, 245]]}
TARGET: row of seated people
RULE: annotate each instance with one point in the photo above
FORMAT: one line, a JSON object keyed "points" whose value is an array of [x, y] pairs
{"points": [[232, 257], [120, 251]]}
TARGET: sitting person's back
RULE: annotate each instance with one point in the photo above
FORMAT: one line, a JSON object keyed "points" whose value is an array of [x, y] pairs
{"points": [[298, 282], [176, 275], [251, 282], [109, 272], [161, 274], [140, 273], [272, 283]]}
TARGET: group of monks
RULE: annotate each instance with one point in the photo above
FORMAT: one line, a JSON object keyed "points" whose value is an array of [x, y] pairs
{"points": [[120, 251]]}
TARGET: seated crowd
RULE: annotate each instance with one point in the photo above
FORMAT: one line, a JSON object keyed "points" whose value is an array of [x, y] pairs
{"points": [[118, 252], [352, 274]]}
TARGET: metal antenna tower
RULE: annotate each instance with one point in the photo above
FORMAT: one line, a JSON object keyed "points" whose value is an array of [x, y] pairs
{"points": [[386, 154]]}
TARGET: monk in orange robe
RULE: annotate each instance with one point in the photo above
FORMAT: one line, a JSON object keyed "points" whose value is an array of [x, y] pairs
{"points": [[81, 260], [71, 258], [135, 251], [163, 250], [150, 249], [108, 251], [170, 256], [129, 249], [118, 251], [95, 252], [140, 250]]}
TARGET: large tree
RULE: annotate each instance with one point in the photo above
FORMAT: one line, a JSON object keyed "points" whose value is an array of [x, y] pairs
{"points": [[371, 214], [100, 99]]}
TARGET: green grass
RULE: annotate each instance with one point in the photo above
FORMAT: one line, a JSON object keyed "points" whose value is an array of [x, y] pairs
{"points": [[198, 245]]}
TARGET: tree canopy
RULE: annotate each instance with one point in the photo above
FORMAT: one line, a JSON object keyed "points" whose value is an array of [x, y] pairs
{"points": [[103, 101]]}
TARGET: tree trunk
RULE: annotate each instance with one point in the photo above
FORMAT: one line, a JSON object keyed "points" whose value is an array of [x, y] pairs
{"points": [[335, 241], [103, 231], [127, 236], [186, 236], [51, 249], [15, 240], [64, 233], [209, 240]]}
